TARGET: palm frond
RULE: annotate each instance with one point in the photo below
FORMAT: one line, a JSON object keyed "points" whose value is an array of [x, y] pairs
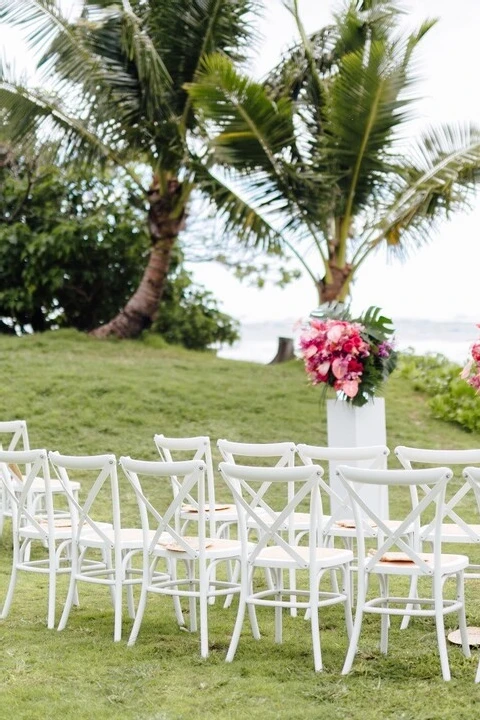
{"points": [[239, 215], [439, 176], [253, 129], [36, 115], [365, 110]]}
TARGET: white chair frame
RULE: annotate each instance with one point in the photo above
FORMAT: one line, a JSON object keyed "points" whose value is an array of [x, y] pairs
{"points": [[200, 555], [19, 436], [117, 545], [52, 532], [249, 486], [412, 562]]}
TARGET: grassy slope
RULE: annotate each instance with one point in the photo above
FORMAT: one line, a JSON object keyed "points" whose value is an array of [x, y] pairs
{"points": [[82, 396]]}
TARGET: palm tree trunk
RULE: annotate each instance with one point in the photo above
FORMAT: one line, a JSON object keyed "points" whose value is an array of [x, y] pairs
{"points": [[337, 289], [139, 312]]}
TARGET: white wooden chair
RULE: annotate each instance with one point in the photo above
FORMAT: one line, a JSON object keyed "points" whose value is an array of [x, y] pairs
{"points": [[102, 550], [200, 554], [275, 454], [339, 521], [14, 436], [456, 528], [219, 515], [393, 555], [45, 528], [264, 499]]}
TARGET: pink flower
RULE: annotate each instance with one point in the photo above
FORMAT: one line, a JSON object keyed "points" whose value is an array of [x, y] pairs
{"points": [[335, 332], [323, 368], [340, 367], [310, 351], [350, 388]]}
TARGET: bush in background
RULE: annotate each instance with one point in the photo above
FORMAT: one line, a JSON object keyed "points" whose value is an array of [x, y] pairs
{"points": [[451, 398]]}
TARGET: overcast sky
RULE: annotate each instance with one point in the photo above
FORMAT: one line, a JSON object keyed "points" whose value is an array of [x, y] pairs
{"points": [[441, 281]]}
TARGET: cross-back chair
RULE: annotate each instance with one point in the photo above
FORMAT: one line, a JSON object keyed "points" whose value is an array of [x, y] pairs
{"points": [[43, 527], [102, 550], [171, 449], [274, 454], [14, 436], [268, 498], [200, 554], [456, 527], [393, 555]]}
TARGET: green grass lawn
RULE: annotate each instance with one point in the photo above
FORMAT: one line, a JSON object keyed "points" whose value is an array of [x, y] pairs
{"points": [[80, 395]]}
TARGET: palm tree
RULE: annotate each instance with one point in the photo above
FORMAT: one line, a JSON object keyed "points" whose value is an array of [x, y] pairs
{"points": [[112, 88], [350, 178]]}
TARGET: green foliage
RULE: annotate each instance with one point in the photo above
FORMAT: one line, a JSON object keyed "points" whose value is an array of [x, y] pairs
{"points": [[451, 398], [72, 248], [189, 315], [71, 245]]}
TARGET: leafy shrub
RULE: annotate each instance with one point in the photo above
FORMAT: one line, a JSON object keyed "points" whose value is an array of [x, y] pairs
{"points": [[451, 398], [189, 315]]}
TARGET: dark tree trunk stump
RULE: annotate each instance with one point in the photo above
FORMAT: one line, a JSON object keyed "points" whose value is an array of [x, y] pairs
{"points": [[284, 352]]}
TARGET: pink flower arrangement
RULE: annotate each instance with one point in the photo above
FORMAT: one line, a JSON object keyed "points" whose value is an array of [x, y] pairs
{"points": [[471, 371], [334, 346], [353, 356]]}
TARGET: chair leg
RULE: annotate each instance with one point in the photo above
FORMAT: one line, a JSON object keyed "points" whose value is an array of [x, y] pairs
{"points": [[412, 593], [278, 579], [385, 619], [462, 620], [71, 594], [172, 570], [346, 579], [139, 614], [237, 628], [314, 624], [357, 626], [292, 583], [118, 587], [440, 627], [192, 602], [232, 576], [246, 583], [52, 587], [11, 586], [203, 602]]}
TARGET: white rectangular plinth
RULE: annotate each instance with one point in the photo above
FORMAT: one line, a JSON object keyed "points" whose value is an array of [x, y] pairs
{"points": [[350, 426]]}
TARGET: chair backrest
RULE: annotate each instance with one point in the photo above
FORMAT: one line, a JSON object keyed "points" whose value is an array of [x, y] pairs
{"points": [[276, 454], [14, 436], [269, 497], [102, 497], [432, 482], [457, 507], [372, 456], [175, 449], [158, 511], [23, 508], [280, 454], [16, 432]]}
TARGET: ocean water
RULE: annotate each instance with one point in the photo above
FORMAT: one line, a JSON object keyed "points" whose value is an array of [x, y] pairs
{"points": [[259, 341]]}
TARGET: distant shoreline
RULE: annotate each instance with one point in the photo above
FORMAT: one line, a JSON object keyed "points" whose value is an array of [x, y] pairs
{"points": [[259, 340]]}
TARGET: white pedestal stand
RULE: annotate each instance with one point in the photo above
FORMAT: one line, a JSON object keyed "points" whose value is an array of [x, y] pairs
{"points": [[350, 426]]}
